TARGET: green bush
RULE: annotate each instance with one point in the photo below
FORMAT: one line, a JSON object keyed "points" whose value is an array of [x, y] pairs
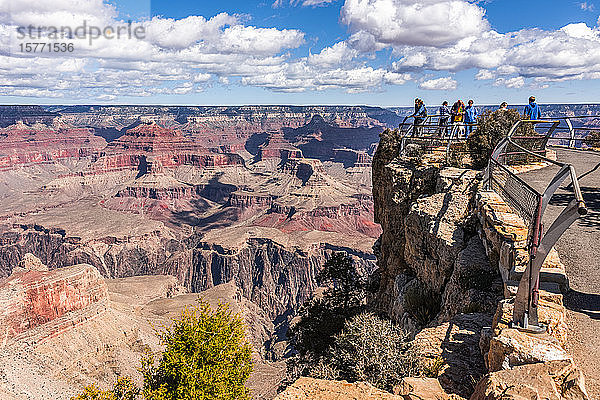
{"points": [[492, 127], [206, 357], [124, 389]]}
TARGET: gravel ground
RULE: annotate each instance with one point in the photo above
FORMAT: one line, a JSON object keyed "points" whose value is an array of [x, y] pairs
{"points": [[579, 250]]}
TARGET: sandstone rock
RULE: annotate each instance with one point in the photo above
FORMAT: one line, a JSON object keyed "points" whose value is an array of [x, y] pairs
{"points": [[549, 313], [475, 286], [319, 389], [553, 380], [457, 180], [30, 263], [420, 388], [512, 348], [456, 345], [434, 238]]}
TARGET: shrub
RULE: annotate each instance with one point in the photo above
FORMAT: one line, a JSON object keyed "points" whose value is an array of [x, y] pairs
{"points": [[206, 356], [124, 389], [321, 319], [492, 127], [371, 349], [422, 303]]}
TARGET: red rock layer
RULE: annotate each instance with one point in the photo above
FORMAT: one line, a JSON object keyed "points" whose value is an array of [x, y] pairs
{"points": [[151, 147], [26, 145], [32, 298]]}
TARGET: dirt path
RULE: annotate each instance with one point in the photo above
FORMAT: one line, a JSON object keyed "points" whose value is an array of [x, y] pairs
{"points": [[579, 250]]}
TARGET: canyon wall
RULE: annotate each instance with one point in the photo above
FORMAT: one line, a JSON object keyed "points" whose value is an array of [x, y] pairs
{"points": [[449, 259]]}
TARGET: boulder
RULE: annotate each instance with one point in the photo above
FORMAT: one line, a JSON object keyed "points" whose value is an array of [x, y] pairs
{"points": [[421, 388], [554, 380], [451, 350], [320, 389]]}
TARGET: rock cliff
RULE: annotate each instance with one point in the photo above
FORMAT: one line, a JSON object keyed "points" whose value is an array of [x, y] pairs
{"points": [[449, 260]]}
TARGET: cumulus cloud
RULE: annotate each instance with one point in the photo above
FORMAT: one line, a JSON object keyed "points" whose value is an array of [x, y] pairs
{"points": [[435, 23], [446, 83]]}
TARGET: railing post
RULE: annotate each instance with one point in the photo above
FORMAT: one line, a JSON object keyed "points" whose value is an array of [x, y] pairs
{"points": [[571, 133]]}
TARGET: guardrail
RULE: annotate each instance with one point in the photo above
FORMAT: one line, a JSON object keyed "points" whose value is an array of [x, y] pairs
{"points": [[574, 131], [531, 204], [432, 135]]}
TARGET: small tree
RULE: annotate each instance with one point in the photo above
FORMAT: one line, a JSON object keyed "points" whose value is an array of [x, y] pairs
{"points": [[492, 127], [323, 318], [207, 357]]}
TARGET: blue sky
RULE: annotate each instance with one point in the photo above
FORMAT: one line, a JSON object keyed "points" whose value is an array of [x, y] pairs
{"points": [[376, 52]]}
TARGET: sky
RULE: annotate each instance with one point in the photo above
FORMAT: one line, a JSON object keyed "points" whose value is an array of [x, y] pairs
{"points": [[372, 52]]}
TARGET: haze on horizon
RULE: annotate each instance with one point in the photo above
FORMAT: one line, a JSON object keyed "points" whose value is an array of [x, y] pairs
{"points": [[375, 52]]}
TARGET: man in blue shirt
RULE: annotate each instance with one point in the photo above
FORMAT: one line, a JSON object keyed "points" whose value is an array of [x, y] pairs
{"points": [[471, 114], [532, 110]]}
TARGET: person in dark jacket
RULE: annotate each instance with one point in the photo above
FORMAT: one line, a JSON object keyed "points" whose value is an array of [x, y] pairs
{"points": [[532, 110], [420, 115], [444, 112]]}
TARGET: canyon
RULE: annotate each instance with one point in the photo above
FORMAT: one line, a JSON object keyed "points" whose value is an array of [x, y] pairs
{"points": [[245, 200]]}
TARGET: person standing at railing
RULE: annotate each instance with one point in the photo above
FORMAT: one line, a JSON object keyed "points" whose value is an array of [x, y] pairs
{"points": [[420, 115], [471, 114], [444, 112], [458, 114], [532, 110]]}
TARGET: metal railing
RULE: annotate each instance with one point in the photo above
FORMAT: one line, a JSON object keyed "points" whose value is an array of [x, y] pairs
{"points": [[574, 131], [531, 204], [431, 135]]}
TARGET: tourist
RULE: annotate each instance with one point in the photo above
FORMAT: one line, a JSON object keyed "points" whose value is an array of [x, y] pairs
{"points": [[458, 114], [420, 116], [444, 112], [503, 106], [532, 110], [471, 114]]}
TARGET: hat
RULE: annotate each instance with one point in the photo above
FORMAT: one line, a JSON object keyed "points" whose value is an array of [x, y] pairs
{"points": [[532, 98]]}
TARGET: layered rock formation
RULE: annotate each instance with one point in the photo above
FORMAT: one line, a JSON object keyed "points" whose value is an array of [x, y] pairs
{"points": [[449, 253], [26, 145]]}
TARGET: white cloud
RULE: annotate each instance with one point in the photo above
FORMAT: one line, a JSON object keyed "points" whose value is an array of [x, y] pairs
{"points": [[436, 23], [335, 55], [586, 6], [446, 83], [483, 75], [511, 83]]}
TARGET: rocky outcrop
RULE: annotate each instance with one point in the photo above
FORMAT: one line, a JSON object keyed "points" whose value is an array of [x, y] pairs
{"points": [[453, 249], [554, 380], [31, 297], [429, 237]]}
